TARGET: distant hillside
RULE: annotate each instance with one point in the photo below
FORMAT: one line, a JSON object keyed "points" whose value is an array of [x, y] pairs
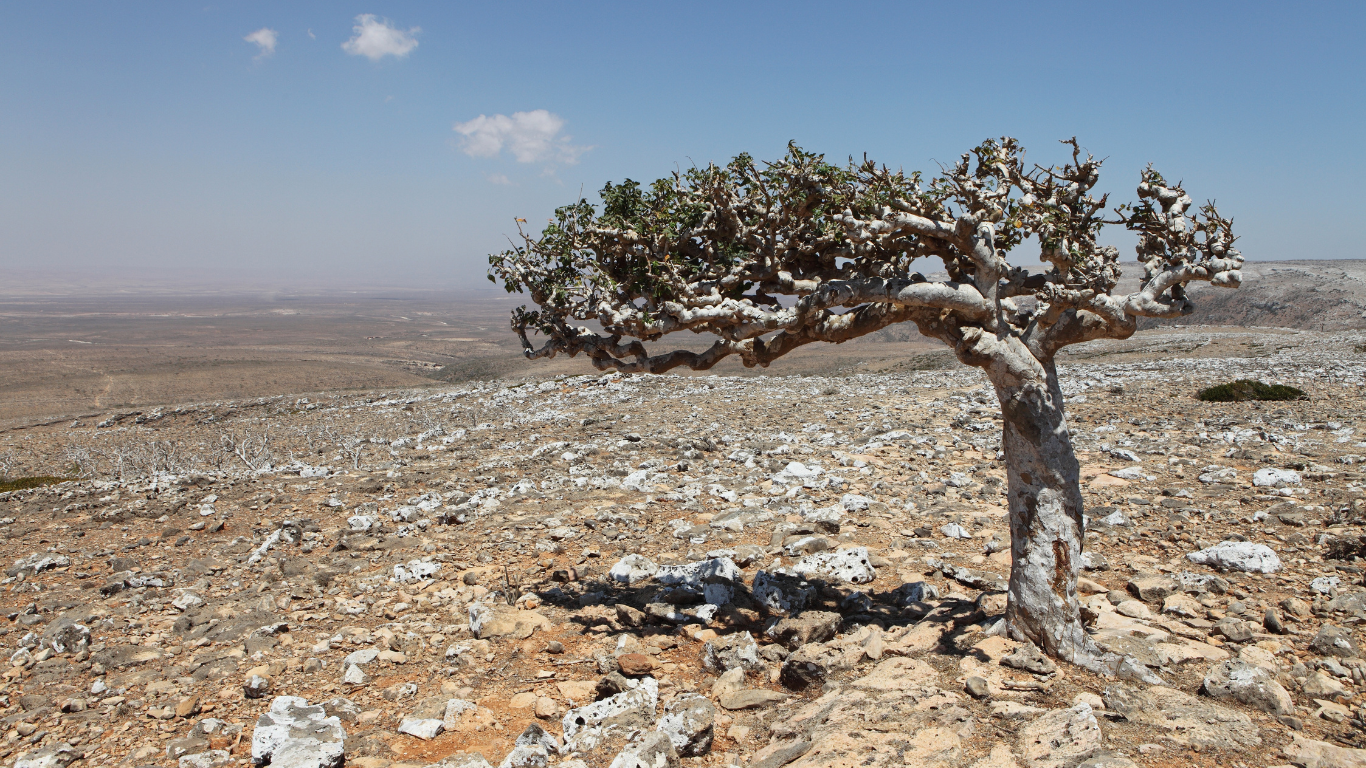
{"points": [[1326, 295]]}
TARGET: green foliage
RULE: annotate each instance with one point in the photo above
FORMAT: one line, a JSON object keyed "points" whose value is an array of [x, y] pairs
{"points": [[1208, 232], [643, 244], [1248, 389], [25, 483]]}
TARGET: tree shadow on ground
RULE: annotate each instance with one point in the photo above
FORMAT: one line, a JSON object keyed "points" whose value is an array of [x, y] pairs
{"points": [[648, 610]]}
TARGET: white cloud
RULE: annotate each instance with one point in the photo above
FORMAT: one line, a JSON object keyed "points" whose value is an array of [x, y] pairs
{"points": [[264, 39], [375, 39], [530, 137], [499, 179]]}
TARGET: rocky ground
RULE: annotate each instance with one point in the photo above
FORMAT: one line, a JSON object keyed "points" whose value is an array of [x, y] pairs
{"points": [[622, 570]]}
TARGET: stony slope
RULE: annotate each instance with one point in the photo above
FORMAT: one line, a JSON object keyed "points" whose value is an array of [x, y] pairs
{"points": [[1327, 295], [1324, 295], [755, 572]]}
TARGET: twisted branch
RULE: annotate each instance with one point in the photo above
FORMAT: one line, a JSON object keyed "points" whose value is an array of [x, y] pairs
{"points": [[713, 250]]}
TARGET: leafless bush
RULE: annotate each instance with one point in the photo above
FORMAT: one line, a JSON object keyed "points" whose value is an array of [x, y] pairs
{"points": [[80, 458], [350, 445], [8, 462], [312, 436], [114, 455], [352, 450], [426, 422], [166, 457], [126, 455], [251, 448]]}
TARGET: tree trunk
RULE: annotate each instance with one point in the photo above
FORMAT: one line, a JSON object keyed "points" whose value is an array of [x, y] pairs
{"points": [[1043, 482]]}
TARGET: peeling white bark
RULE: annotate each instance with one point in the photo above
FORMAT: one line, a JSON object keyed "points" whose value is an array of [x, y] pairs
{"points": [[1044, 499]]}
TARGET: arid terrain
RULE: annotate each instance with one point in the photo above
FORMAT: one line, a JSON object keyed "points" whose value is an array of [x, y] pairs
{"points": [[63, 357], [71, 355], [452, 556]]}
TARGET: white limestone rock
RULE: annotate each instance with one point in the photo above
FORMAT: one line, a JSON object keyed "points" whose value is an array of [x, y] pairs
{"points": [[1238, 556], [362, 523], [954, 531], [1271, 477], [415, 571], [295, 734], [633, 569], [713, 571], [631, 709], [1325, 584], [653, 750], [689, 721], [847, 565], [425, 728], [1060, 738], [1248, 684], [56, 756], [213, 758], [1217, 474], [853, 502], [797, 473], [37, 563]]}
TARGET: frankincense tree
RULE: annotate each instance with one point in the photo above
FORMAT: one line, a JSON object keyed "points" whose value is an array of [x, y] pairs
{"points": [[711, 250]]}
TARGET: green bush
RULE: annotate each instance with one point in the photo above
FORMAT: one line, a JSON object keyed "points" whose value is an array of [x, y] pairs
{"points": [[25, 483], [1247, 389]]}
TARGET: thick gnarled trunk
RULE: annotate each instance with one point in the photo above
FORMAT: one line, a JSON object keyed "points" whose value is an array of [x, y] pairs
{"points": [[1043, 482]]}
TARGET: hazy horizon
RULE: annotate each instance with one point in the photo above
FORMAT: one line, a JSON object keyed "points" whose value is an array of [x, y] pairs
{"points": [[24, 283]]}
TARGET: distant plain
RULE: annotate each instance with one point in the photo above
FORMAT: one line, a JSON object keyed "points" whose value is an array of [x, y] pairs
{"points": [[78, 351]]}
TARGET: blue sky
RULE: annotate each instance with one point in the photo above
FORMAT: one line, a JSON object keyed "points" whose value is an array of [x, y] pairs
{"points": [[152, 138]]}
